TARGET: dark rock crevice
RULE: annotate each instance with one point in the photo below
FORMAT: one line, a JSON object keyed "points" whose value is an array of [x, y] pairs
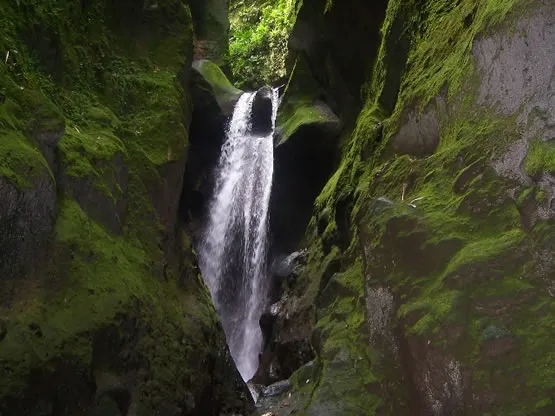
{"points": [[302, 166]]}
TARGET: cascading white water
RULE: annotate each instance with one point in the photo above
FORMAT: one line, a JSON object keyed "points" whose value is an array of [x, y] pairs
{"points": [[233, 251]]}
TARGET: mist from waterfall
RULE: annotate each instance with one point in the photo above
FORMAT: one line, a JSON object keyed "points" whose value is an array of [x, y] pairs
{"points": [[233, 252]]}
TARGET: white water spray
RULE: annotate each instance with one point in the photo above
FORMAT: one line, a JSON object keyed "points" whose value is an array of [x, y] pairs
{"points": [[233, 252]]}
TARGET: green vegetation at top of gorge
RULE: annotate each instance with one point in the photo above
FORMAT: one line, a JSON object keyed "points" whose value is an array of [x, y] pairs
{"points": [[258, 40]]}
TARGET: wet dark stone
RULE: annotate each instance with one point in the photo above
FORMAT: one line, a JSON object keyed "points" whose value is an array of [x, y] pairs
{"points": [[3, 330], [36, 329], [261, 115], [277, 389]]}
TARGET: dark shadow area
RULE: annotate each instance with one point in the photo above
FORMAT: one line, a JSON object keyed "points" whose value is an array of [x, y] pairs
{"points": [[302, 166], [206, 136]]}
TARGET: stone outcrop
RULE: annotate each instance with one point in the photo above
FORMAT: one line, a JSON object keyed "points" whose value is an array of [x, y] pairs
{"points": [[261, 116], [210, 85]]}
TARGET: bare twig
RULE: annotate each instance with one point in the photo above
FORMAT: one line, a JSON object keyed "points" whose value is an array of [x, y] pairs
{"points": [[411, 203]]}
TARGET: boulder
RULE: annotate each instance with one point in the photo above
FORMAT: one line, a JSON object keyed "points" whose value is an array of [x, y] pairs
{"points": [[262, 112], [211, 84], [297, 114]]}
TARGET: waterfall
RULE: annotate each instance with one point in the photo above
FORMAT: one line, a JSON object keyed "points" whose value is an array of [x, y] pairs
{"points": [[232, 254]]}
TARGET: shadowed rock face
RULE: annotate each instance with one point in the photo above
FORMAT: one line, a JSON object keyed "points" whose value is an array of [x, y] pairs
{"points": [[261, 116], [26, 226]]}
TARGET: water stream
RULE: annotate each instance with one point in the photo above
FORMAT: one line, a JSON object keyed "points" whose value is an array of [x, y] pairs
{"points": [[233, 253]]}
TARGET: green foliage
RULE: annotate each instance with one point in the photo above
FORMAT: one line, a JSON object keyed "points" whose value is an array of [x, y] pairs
{"points": [[258, 41]]}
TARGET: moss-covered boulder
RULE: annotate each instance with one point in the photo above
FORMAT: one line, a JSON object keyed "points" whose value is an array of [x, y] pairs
{"points": [[103, 310], [213, 85], [299, 114]]}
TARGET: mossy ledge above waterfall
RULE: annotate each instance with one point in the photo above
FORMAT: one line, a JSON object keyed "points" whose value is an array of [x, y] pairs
{"points": [[429, 279], [103, 311]]}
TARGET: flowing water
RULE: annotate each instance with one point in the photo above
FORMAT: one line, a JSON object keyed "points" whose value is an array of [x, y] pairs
{"points": [[233, 251]]}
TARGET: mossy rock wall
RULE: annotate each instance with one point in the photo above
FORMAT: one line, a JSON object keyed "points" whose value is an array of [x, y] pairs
{"points": [[102, 308], [429, 278]]}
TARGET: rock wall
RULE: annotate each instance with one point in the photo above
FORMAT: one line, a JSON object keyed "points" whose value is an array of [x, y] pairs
{"points": [[211, 21], [102, 309], [428, 287]]}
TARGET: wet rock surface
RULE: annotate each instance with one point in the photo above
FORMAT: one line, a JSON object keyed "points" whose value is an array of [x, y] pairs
{"points": [[261, 116], [419, 134], [27, 218]]}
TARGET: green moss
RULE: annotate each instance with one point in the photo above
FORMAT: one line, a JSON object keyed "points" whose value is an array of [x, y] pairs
{"points": [[215, 77], [505, 287], [442, 52], [89, 297], [297, 113], [485, 249], [221, 87], [436, 307], [83, 148], [23, 115], [346, 355], [540, 158], [103, 276], [20, 160], [258, 40], [101, 115], [442, 232]]}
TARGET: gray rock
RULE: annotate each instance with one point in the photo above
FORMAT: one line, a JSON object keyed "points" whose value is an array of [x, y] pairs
{"points": [[105, 406], [3, 330], [277, 389], [262, 111], [211, 28], [27, 217], [283, 267], [381, 309], [419, 134], [517, 68]]}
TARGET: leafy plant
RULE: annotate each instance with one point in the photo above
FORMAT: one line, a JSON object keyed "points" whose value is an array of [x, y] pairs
{"points": [[258, 41]]}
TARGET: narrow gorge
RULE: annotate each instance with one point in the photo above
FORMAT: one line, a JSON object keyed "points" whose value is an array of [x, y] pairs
{"points": [[277, 207]]}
